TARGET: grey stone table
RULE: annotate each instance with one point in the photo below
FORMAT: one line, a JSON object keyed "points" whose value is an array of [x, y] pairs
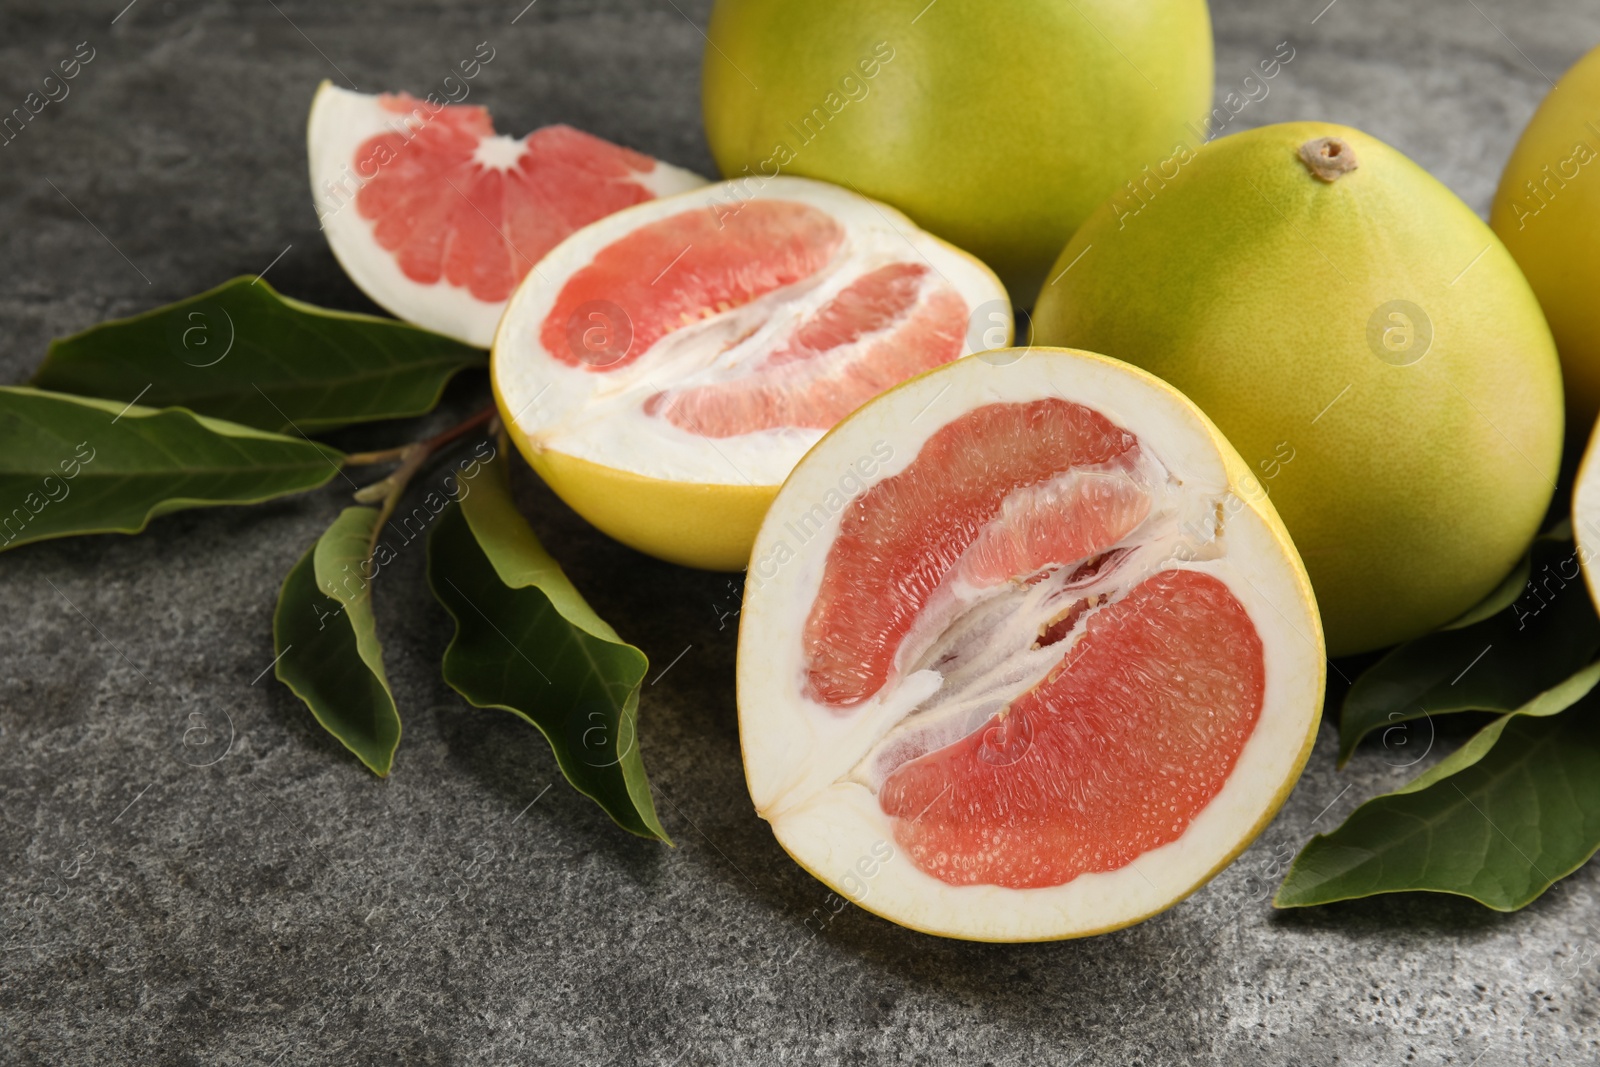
{"points": [[281, 906]]}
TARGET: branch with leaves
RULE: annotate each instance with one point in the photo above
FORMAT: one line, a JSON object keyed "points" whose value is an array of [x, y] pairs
{"points": [[211, 402]]}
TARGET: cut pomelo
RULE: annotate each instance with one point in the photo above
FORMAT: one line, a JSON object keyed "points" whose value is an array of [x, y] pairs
{"points": [[667, 366], [1025, 651], [1586, 515], [437, 217]]}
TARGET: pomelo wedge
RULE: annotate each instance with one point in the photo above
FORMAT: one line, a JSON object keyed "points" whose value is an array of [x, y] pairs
{"points": [[1025, 651], [667, 366], [437, 217]]}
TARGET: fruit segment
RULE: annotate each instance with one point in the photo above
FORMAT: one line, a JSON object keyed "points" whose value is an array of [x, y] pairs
{"points": [[689, 267], [902, 538], [513, 200], [1112, 756]]}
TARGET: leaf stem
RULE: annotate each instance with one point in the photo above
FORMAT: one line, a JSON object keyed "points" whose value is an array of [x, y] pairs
{"points": [[482, 418], [411, 458], [387, 455], [391, 455]]}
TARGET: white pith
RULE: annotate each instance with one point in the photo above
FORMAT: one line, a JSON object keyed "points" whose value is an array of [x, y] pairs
{"points": [[341, 120], [812, 772], [599, 416], [499, 152]]}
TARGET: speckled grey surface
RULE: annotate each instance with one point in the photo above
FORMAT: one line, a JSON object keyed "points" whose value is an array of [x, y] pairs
{"points": [[281, 906]]}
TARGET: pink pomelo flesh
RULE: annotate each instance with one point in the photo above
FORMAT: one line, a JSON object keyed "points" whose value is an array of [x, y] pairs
{"points": [[901, 538], [690, 266], [879, 328], [455, 203], [1116, 754], [1126, 739]]}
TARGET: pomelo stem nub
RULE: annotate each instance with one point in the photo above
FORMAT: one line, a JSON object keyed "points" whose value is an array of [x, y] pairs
{"points": [[1328, 158]]}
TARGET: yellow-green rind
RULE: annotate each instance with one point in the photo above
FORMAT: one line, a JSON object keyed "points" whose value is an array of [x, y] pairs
{"points": [[1247, 488], [996, 126], [707, 526], [691, 524], [1553, 227], [1251, 286]]}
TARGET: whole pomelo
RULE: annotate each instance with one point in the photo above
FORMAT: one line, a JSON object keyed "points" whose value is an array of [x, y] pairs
{"points": [[998, 126], [1365, 342], [1547, 211]]}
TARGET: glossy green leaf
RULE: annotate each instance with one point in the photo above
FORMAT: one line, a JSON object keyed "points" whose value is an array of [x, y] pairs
{"points": [[1496, 664], [326, 639], [76, 465], [243, 352], [527, 642], [1499, 820]]}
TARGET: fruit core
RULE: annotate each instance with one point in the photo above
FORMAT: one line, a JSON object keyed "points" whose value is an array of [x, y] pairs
{"points": [[1061, 684]]}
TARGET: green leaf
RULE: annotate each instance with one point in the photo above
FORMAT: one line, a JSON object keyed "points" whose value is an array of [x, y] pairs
{"points": [[73, 465], [243, 352], [326, 639], [1496, 664], [527, 642], [1499, 820]]}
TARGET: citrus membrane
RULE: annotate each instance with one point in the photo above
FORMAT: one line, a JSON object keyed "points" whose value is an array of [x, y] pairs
{"points": [[1047, 667]]}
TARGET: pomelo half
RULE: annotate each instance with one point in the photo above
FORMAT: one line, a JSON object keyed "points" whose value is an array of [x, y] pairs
{"points": [[437, 217], [1025, 652], [665, 367], [1363, 340], [1586, 515]]}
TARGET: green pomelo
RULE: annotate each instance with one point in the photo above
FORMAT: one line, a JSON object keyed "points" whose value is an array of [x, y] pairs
{"points": [[1547, 211], [1364, 341], [998, 127]]}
